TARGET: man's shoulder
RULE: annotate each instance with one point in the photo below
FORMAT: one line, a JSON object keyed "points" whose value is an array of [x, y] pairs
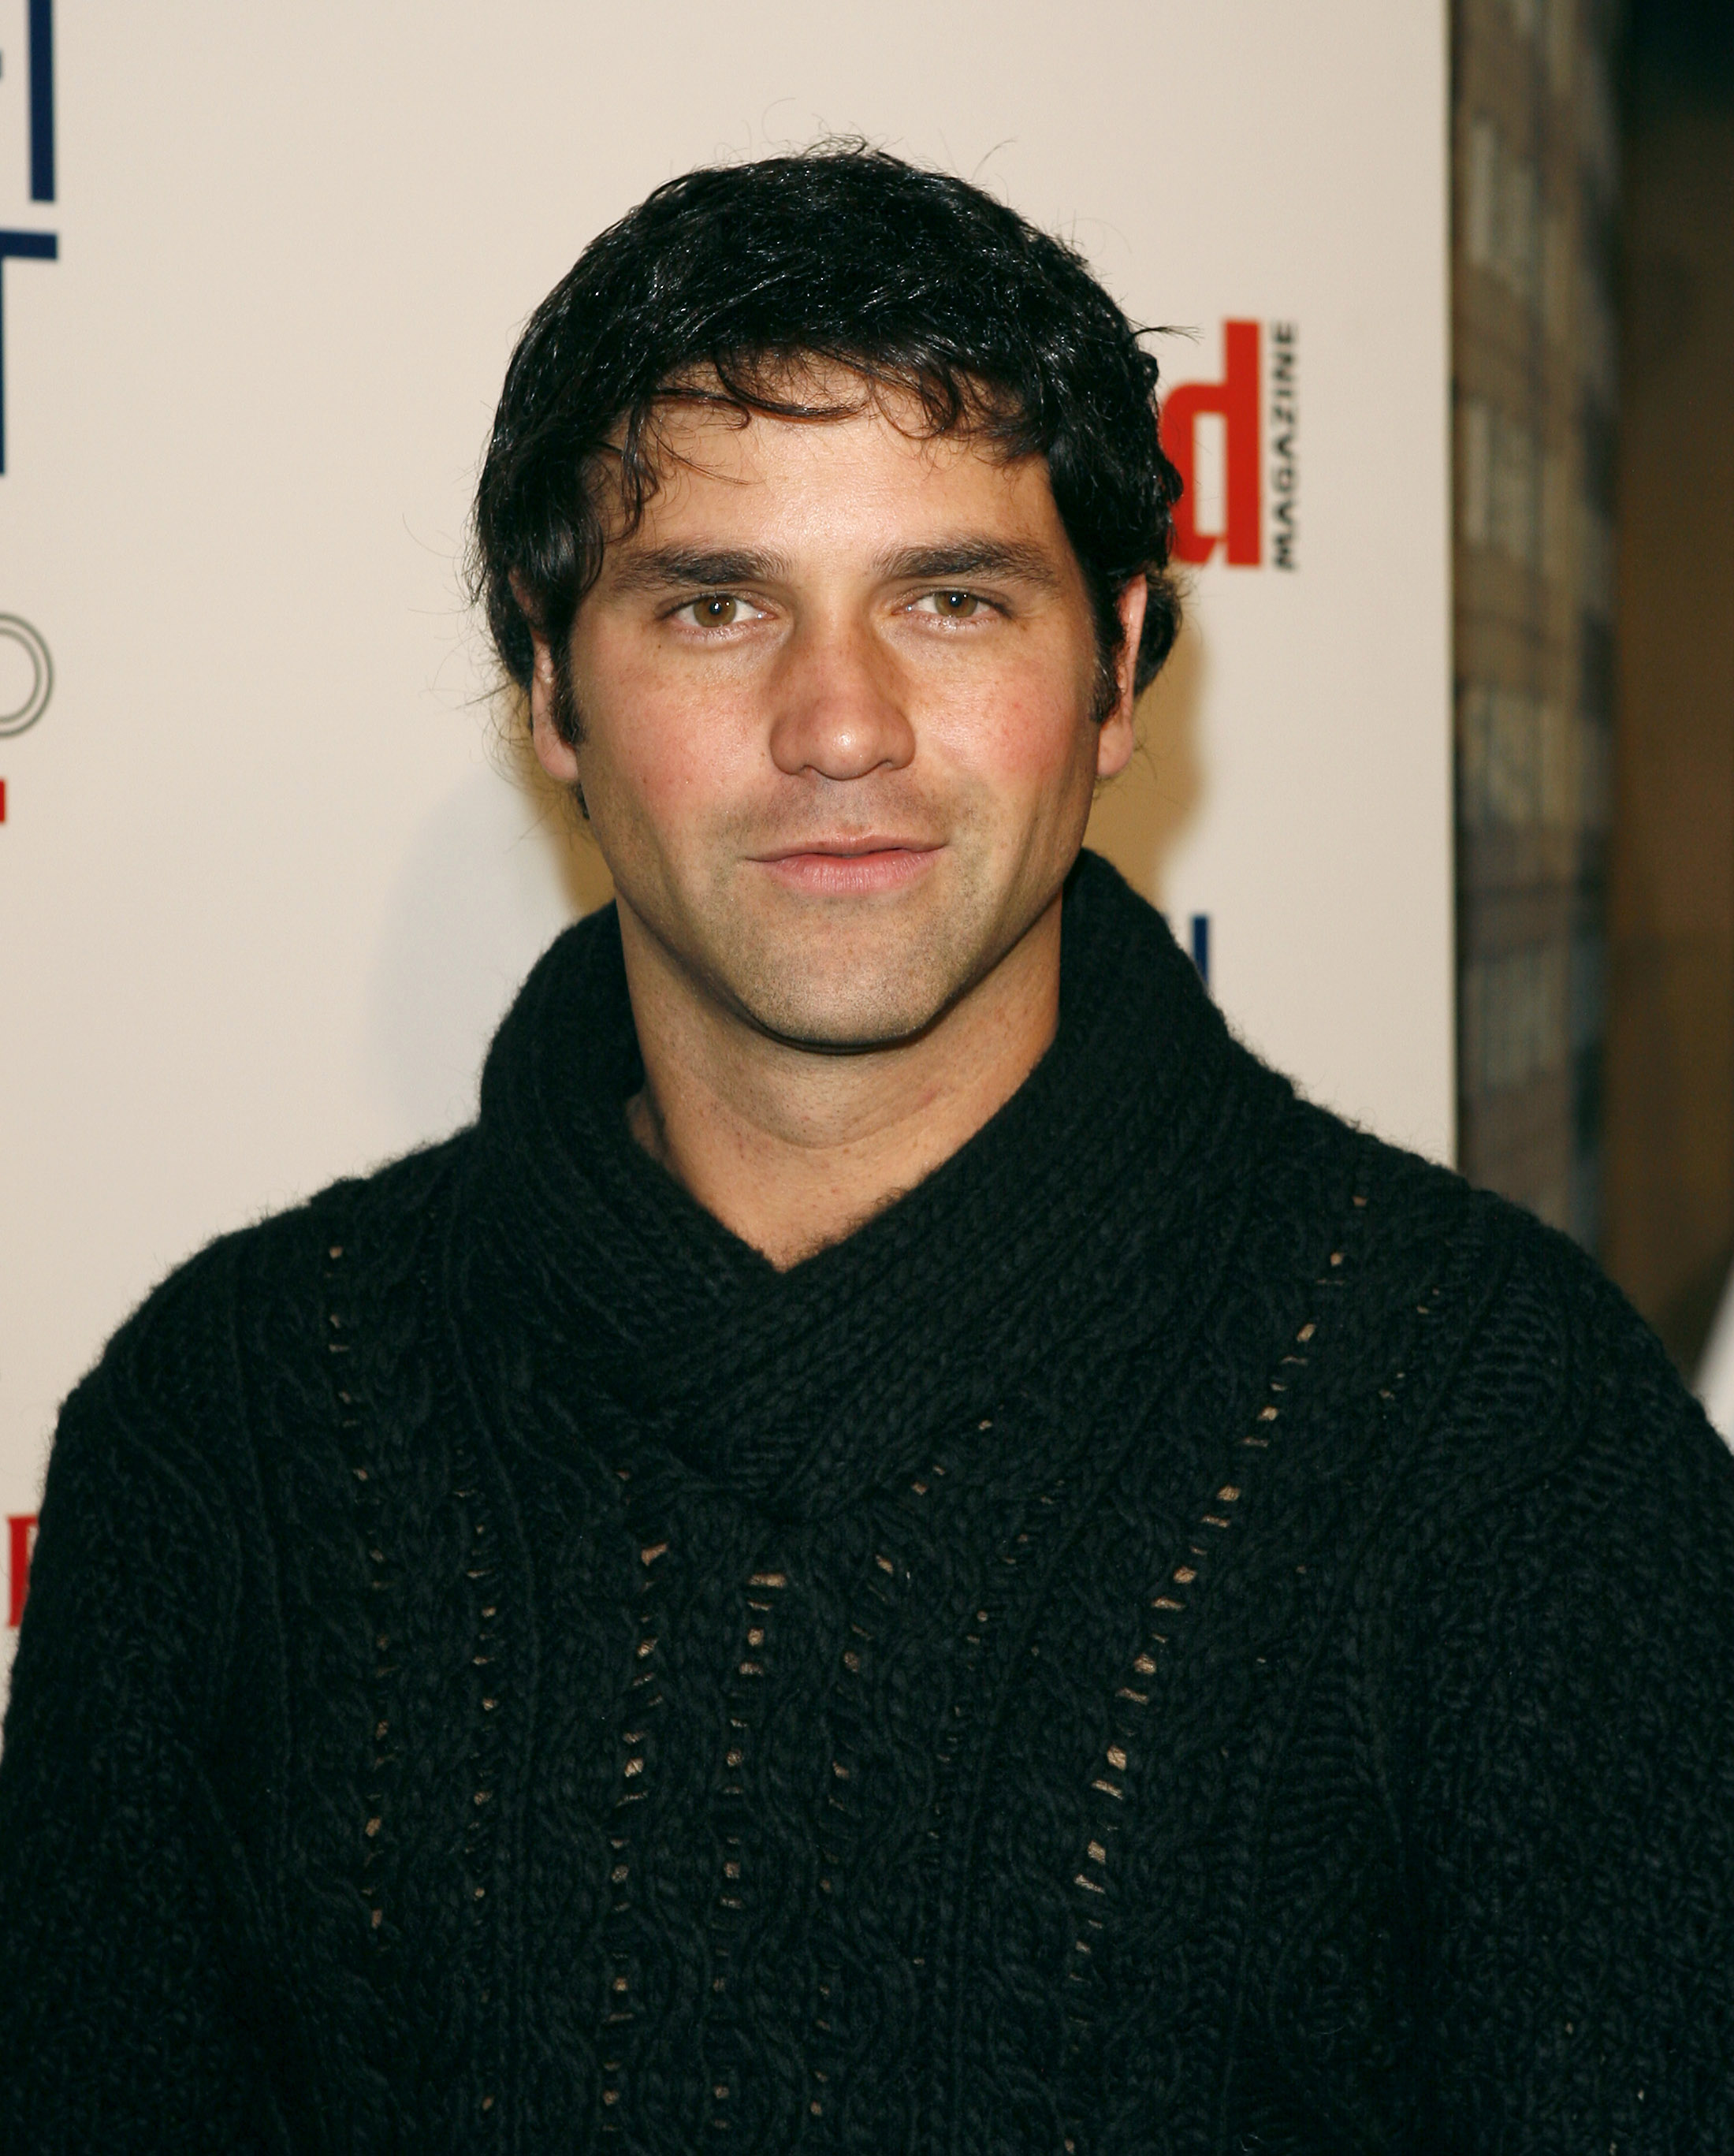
{"points": [[1535, 1370], [261, 1297], [1421, 1217], [1528, 1356]]}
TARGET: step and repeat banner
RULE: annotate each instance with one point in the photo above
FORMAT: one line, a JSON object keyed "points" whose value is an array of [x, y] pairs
{"points": [[269, 867]]}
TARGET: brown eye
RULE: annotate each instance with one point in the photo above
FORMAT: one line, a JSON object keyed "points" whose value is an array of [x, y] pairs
{"points": [[718, 610], [956, 606]]}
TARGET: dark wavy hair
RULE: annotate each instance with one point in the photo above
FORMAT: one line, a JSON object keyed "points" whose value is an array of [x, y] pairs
{"points": [[726, 283]]}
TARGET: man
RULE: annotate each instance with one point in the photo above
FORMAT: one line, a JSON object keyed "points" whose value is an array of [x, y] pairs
{"points": [[900, 1548]]}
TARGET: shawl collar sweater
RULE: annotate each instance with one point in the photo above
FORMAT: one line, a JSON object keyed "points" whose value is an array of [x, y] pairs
{"points": [[1190, 1630]]}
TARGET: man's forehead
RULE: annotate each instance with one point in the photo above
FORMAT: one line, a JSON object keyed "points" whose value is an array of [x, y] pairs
{"points": [[713, 470], [720, 438]]}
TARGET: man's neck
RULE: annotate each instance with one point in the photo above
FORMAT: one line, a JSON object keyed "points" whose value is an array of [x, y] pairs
{"points": [[791, 1149]]}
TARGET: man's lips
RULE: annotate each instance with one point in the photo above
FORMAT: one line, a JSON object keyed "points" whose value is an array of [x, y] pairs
{"points": [[850, 867]]}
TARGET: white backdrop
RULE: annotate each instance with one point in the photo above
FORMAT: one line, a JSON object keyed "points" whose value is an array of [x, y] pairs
{"points": [[265, 878]]}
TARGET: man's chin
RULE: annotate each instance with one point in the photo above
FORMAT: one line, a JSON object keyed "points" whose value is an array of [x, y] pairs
{"points": [[853, 1025]]}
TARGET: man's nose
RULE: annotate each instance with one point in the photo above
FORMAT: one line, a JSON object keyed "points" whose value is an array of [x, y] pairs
{"points": [[840, 706]]}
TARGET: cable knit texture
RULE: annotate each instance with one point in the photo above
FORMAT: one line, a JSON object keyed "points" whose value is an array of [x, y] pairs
{"points": [[1192, 1630]]}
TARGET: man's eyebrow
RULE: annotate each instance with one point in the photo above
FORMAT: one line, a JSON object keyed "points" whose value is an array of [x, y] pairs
{"points": [[712, 568], [971, 555], [679, 568]]}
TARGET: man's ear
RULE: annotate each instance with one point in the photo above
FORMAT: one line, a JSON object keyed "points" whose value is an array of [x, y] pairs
{"points": [[1114, 742], [553, 751]]}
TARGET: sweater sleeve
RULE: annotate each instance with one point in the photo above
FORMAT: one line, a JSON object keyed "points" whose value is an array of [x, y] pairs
{"points": [[1571, 1822], [116, 2027]]}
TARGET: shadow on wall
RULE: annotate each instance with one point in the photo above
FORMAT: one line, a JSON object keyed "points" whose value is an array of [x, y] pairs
{"points": [[1140, 817], [504, 862], [494, 874]]}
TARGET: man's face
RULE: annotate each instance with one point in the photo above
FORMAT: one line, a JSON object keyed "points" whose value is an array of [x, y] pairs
{"points": [[837, 695]]}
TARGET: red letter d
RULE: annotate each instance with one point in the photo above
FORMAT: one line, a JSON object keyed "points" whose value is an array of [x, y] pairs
{"points": [[1236, 397]]}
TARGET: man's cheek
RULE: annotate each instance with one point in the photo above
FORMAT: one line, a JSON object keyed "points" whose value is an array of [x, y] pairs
{"points": [[1018, 738]]}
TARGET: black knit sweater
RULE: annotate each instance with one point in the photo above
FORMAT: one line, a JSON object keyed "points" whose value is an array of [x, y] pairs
{"points": [[1191, 1631]]}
